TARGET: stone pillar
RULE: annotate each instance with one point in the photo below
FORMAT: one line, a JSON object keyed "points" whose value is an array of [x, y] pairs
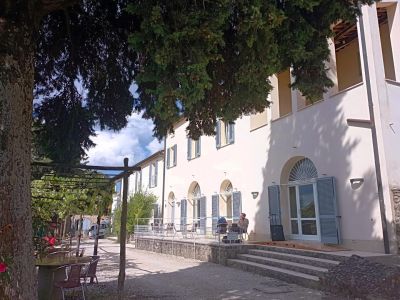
{"points": [[396, 207]]}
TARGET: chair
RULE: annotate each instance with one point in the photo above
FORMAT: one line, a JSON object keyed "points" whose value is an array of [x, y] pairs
{"points": [[73, 280], [90, 271]]}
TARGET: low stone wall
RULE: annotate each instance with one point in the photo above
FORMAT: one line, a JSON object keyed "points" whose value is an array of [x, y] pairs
{"points": [[211, 252], [396, 205]]}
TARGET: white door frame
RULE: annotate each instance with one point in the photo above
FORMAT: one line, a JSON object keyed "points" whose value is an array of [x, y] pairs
{"points": [[301, 236]]}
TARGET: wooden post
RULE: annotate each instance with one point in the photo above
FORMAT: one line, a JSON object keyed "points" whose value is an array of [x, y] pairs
{"points": [[122, 238], [79, 235]]}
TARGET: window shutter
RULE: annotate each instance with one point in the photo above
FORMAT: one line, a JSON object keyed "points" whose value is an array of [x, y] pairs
{"points": [[328, 216], [203, 214], [173, 213], [140, 181], [183, 214], [274, 205], [231, 133], [214, 211], [218, 134], [155, 173], [236, 205], [198, 147], [150, 172], [175, 154], [189, 149], [168, 157], [136, 181]]}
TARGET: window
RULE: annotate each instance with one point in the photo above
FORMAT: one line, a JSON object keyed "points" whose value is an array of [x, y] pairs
{"points": [[153, 172], [138, 181], [348, 63], [171, 156], [385, 31], [193, 148], [225, 133], [258, 120], [281, 95]]}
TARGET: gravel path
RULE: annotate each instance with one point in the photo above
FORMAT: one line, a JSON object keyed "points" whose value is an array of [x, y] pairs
{"points": [[158, 276]]}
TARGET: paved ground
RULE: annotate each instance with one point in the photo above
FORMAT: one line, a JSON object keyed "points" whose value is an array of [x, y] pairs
{"points": [[158, 276]]}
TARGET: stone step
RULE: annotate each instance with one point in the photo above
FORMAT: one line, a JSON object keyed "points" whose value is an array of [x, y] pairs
{"points": [[302, 252], [289, 265], [308, 260], [275, 272]]}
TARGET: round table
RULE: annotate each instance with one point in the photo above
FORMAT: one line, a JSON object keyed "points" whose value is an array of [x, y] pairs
{"points": [[48, 274]]}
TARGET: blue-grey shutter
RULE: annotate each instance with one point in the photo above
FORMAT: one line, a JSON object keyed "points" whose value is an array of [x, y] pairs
{"points": [[203, 214], [175, 154], [155, 173], [136, 181], [218, 134], [236, 205], [183, 214], [168, 157], [198, 147], [140, 181], [189, 149], [274, 203], [328, 216], [231, 133], [150, 172], [214, 211]]}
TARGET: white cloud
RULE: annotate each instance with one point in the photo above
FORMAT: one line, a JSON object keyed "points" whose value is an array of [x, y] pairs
{"points": [[135, 141]]}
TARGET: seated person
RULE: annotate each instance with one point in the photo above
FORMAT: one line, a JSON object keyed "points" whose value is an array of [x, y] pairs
{"points": [[243, 223], [222, 225]]}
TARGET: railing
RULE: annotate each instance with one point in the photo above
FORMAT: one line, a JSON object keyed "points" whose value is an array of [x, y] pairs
{"points": [[206, 228]]}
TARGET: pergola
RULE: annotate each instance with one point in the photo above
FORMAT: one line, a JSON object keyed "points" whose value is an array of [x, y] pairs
{"points": [[79, 176]]}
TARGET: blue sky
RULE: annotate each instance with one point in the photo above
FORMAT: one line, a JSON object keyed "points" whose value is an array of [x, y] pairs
{"points": [[135, 141]]}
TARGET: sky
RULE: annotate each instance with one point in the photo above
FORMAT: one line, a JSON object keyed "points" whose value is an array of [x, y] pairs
{"points": [[135, 141]]}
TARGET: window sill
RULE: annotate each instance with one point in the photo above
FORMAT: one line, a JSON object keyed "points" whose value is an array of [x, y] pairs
{"points": [[346, 89], [223, 146], [254, 129], [171, 167], [392, 82], [282, 117], [310, 105], [193, 158]]}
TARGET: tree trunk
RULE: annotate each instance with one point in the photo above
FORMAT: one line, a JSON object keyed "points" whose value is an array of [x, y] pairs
{"points": [[16, 94], [122, 239], [79, 235]]}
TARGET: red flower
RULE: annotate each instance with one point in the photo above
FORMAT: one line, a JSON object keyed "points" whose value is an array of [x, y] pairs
{"points": [[3, 267]]}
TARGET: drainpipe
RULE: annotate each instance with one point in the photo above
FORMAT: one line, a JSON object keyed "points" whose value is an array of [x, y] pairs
{"points": [[374, 137], [163, 184]]}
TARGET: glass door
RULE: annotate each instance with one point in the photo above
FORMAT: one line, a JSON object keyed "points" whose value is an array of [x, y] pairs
{"points": [[303, 216]]}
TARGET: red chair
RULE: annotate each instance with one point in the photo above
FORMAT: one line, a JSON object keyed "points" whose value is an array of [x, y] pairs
{"points": [[73, 280], [90, 271]]}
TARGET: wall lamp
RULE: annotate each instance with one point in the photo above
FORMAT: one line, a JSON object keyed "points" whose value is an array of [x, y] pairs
{"points": [[254, 194], [356, 182]]}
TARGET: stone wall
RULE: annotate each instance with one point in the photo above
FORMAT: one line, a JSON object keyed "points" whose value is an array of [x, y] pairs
{"points": [[213, 252], [396, 206]]}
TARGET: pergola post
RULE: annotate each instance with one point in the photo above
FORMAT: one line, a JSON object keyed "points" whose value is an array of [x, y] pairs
{"points": [[122, 238]]}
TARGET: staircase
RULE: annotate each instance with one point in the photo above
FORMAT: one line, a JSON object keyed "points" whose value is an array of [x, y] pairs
{"points": [[298, 266]]}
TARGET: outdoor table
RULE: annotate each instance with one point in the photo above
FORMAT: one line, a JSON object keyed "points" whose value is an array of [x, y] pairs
{"points": [[47, 274]]}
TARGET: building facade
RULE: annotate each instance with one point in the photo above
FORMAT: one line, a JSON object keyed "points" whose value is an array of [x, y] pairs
{"points": [[309, 167]]}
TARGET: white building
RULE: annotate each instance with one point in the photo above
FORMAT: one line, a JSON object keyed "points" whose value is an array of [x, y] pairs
{"points": [[309, 167], [150, 179]]}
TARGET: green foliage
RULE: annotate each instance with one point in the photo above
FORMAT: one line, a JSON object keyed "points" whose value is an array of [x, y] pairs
{"points": [[54, 195], [140, 208], [204, 60], [83, 71]]}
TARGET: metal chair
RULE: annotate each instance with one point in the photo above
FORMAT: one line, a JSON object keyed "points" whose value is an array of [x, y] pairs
{"points": [[73, 280], [90, 271]]}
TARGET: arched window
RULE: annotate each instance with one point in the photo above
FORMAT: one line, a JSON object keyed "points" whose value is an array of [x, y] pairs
{"points": [[304, 169]]}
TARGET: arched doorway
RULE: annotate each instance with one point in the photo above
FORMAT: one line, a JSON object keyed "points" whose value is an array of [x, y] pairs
{"points": [[225, 196], [303, 204], [171, 208]]}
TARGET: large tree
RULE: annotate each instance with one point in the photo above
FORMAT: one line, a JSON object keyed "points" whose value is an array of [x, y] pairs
{"points": [[196, 59]]}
